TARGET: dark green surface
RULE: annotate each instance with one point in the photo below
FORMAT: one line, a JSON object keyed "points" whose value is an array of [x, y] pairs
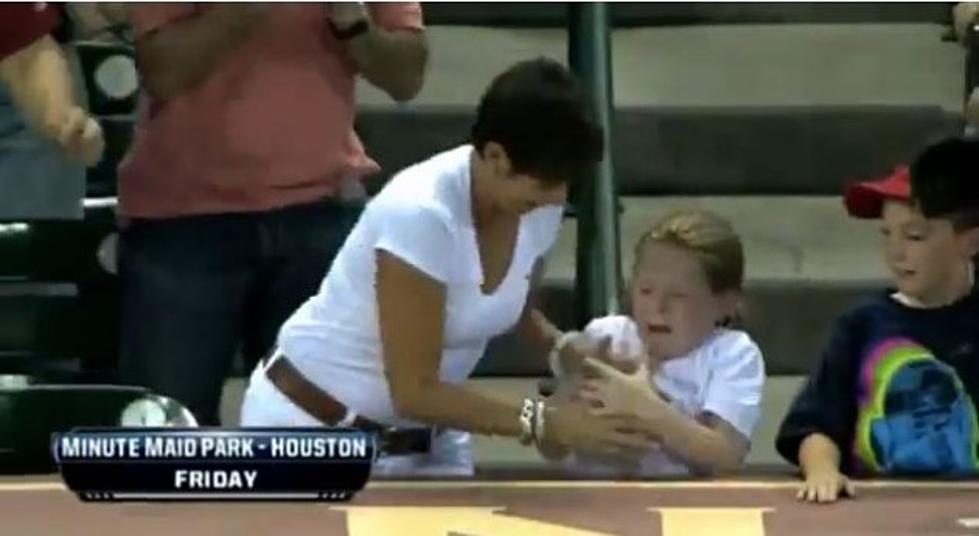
{"points": [[598, 284], [30, 415], [624, 14], [58, 306]]}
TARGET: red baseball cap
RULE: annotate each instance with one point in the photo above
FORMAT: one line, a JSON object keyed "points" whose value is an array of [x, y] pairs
{"points": [[865, 200]]}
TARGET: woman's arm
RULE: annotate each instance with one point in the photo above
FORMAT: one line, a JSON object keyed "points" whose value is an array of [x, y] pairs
{"points": [[411, 312], [542, 335], [534, 327]]}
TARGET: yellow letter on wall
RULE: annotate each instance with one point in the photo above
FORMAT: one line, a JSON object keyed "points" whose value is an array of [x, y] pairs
{"points": [[444, 520]]}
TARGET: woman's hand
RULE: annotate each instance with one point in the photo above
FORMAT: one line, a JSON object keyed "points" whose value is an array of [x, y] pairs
{"points": [[572, 425], [581, 347]]}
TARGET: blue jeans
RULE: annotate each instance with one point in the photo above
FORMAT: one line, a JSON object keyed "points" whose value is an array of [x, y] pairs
{"points": [[198, 290], [38, 181]]}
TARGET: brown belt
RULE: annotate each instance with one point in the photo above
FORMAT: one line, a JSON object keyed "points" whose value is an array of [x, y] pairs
{"points": [[331, 411]]}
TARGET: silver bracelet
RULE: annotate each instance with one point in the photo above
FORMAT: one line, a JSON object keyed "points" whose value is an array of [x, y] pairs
{"points": [[527, 414], [539, 409]]}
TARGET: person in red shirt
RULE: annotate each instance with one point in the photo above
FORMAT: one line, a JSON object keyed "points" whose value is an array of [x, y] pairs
{"points": [[232, 194], [36, 74]]}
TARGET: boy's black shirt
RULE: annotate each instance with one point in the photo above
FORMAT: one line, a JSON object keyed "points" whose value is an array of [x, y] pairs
{"points": [[886, 407]]}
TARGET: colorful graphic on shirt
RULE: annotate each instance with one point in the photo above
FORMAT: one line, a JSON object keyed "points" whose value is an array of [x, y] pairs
{"points": [[914, 415]]}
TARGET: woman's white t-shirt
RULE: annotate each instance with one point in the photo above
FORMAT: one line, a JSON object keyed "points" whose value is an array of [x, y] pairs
{"points": [[724, 376], [424, 217]]}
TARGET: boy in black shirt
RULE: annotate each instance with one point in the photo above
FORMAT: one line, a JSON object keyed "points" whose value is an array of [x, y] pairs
{"points": [[896, 389]]}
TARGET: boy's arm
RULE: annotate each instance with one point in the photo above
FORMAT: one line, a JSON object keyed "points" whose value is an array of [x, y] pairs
{"points": [[826, 404], [818, 453], [822, 416], [819, 458]]}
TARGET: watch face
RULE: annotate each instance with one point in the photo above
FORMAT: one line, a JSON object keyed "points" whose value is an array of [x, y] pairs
{"points": [[145, 412]]}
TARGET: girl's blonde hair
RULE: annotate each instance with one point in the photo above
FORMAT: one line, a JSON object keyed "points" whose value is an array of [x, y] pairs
{"points": [[707, 235]]}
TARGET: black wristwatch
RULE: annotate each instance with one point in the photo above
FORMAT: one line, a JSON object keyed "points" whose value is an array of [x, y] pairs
{"points": [[348, 33]]}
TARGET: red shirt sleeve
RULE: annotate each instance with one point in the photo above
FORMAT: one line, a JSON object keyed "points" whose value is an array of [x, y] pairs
{"points": [[397, 15], [23, 23], [151, 16]]}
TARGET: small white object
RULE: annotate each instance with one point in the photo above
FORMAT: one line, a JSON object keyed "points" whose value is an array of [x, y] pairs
{"points": [[144, 412], [107, 253], [14, 381], [969, 522], [116, 77], [156, 411]]}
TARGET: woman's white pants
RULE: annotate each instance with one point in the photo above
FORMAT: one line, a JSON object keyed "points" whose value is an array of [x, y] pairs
{"points": [[451, 453]]}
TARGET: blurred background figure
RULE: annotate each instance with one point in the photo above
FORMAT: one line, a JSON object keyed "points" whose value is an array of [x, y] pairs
{"points": [[236, 193], [38, 81], [964, 16]]}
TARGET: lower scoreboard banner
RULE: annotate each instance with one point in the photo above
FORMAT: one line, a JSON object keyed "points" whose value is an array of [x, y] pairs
{"points": [[218, 464]]}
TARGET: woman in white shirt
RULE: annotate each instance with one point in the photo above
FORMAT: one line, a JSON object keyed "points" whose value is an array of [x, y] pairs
{"points": [[441, 261]]}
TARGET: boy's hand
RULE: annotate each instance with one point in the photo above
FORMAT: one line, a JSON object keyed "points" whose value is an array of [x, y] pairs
{"points": [[825, 486]]}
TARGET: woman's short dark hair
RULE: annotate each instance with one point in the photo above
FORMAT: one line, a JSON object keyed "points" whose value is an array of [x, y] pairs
{"points": [[538, 112]]}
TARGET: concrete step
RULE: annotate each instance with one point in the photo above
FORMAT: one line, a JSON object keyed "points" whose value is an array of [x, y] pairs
{"points": [[742, 150], [786, 238], [789, 320], [770, 150], [718, 65]]}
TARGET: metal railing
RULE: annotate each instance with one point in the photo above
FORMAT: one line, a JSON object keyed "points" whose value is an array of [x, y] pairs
{"points": [[597, 275]]}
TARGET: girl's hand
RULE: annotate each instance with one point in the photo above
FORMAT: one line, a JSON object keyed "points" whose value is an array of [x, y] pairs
{"points": [[609, 390]]}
